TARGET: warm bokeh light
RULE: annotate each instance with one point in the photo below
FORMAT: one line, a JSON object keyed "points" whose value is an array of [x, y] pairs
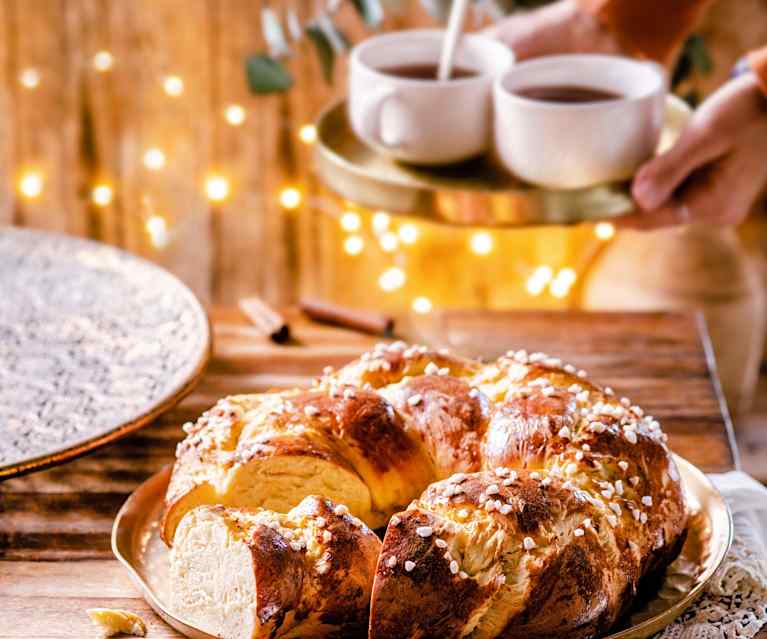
{"points": [[389, 242], [101, 195], [235, 114], [560, 285], [392, 279], [216, 188], [604, 230], [31, 184], [173, 85], [308, 134], [354, 244], [381, 221], [534, 285], [408, 233], [103, 61], [421, 305], [154, 159], [157, 228], [481, 243], [350, 221], [290, 197], [559, 288], [29, 78], [541, 276], [543, 273]]}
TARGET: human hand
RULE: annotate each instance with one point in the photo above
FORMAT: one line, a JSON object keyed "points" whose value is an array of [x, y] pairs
{"points": [[561, 27], [716, 170]]}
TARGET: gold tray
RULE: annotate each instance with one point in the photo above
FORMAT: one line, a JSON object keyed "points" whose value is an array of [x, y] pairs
{"points": [[472, 193], [136, 543]]}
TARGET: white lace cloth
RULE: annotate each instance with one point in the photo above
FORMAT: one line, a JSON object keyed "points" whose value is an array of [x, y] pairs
{"points": [[734, 605]]}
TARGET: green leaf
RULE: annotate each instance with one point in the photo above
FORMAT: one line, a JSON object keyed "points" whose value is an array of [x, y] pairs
{"points": [[324, 50], [370, 11], [696, 49], [267, 75]]}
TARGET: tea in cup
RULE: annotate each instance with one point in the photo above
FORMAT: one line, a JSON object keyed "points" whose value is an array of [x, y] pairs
{"points": [[399, 107], [572, 121]]}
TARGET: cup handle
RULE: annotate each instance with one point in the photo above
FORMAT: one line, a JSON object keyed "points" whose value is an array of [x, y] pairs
{"points": [[371, 118]]}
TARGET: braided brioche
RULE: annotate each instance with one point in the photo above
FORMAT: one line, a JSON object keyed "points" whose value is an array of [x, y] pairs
{"points": [[541, 500]]}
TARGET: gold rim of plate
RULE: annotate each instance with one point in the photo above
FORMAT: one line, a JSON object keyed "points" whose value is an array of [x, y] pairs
{"points": [[137, 545], [472, 193]]}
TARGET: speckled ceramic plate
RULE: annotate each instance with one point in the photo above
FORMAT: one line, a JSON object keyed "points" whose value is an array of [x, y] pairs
{"points": [[473, 193], [136, 543], [94, 343]]}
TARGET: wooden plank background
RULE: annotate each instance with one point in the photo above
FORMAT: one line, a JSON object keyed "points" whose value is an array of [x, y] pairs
{"points": [[78, 127]]}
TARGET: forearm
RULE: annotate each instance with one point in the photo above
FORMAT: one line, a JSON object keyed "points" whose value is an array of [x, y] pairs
{"points": [[648, 28]]}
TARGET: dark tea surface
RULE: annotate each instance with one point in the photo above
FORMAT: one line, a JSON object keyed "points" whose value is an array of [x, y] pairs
{"points": [[425, 71], [567, 94]]}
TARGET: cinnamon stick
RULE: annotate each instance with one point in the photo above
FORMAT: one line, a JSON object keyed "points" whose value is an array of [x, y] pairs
{"points": [[268, 321], [358, 320]]}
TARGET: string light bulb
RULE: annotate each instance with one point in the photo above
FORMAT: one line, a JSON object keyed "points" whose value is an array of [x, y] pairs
{"points": [[308, 134], [173, 85], [408, 233], [540, 277], [102, 194], [481, 243], [567, 274], [560, 285], [604, 230], [103, 61], [157, 229], [389, 242], [350, 221], [235, 114], [31, 184], [290, 197], [29, 78], [154, 159], [381, 221], [216, 188], [421, 305], [534, 286], [559, 288], [354, 244], [392, 279]]}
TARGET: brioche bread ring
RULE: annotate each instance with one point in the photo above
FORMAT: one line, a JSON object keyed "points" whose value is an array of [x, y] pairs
{"points": [[527, 501]]}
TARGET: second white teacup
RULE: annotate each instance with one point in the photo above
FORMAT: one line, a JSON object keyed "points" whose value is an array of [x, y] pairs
{"points": [[424, 121], [570, 144]]}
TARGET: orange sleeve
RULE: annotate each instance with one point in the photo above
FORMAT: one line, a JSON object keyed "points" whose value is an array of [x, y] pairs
{"points": [[648, 28], [758, 62]]}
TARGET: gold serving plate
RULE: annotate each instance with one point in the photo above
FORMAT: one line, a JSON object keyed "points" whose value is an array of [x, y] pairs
{"points": [[136, 543], [473, 193]]}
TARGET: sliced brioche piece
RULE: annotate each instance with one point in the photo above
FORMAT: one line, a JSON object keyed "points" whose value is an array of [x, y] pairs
{"points": [[349, 445], [274, 471], [244, 574]]}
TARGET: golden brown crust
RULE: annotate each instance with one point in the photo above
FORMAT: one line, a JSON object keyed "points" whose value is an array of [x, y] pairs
{"points": [[595, 493]]}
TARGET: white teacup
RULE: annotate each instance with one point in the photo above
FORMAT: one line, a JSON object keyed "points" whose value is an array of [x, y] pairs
{"points": [[572, 145], [424, 121]]}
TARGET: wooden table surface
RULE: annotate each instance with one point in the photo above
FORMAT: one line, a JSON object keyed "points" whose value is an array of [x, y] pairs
{"points": [[55, 525]]}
